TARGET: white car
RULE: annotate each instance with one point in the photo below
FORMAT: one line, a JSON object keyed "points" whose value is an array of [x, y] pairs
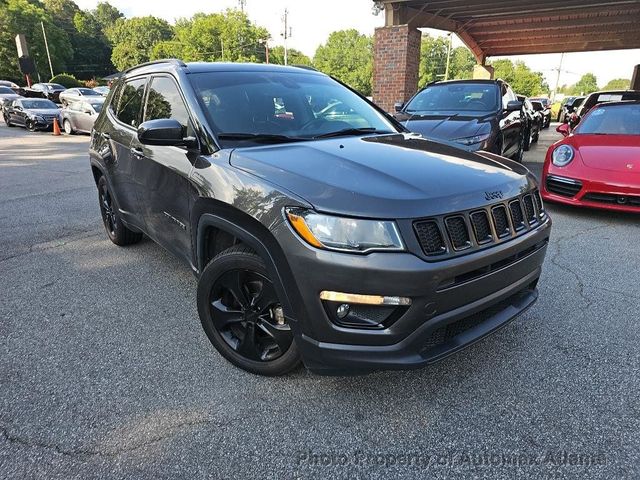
{"points": [[71, 95]]}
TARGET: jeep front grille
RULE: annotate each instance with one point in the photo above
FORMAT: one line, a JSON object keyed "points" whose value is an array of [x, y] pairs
{"points": [[460, 232], [430, 237]]}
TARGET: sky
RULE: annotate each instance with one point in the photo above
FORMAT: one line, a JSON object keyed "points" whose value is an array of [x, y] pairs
{"points": [[312, 21]]}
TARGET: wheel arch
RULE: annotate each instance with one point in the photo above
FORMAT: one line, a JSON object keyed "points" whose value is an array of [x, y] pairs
{"points": [[242, 228]]}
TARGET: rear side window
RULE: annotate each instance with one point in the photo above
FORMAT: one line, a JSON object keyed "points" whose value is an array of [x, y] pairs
{"points": [[130, 102], [164, 101]]}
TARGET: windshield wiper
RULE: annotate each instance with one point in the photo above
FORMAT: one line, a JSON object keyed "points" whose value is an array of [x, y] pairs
{"points": [[259, 137], [351, 131]]}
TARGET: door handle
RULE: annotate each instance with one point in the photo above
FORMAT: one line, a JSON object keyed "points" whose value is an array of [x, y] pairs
{"points": [[137, 152]]}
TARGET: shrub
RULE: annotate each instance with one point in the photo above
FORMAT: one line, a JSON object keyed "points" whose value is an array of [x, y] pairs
{"points": [[66, 80]]}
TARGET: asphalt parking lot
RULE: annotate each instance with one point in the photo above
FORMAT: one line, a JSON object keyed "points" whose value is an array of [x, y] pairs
{"points": [[105, 371]]}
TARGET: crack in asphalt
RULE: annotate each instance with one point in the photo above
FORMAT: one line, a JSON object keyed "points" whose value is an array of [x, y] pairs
{"points": [[93, 452], [554, 260], [60, 242]]}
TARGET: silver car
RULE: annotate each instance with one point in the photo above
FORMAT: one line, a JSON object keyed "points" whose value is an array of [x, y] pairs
{"points": [[79, 117], [71, 95]]}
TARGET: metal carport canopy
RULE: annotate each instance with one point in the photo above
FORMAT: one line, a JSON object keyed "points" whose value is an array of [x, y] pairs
{"points": [[517, 27]]}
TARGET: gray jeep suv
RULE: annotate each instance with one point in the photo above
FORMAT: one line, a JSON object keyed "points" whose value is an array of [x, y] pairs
{"points": [[320, 230]]}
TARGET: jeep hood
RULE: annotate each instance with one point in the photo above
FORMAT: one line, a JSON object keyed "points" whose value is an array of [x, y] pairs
{"points": [[384, 176]]}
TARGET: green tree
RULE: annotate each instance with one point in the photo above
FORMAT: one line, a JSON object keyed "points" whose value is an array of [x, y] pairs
{"points": [[228, 36], [433, 61], [618, 84], [24, 16], [294, 57], [133, 39], [587, 84], [348, 56], [106, 15], [522, 79]]}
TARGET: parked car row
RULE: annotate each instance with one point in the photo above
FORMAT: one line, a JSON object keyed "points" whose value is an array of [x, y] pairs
{"points": [[39, 114]]}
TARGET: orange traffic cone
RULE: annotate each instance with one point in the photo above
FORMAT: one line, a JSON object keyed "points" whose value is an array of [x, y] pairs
{"points": [[56, 127]]}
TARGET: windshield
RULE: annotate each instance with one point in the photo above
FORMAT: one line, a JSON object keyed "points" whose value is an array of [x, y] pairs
{"points": [[87, 91], [611, 120], [5, 90], [55, 86], [283, 106], [455, 97], [39, 104]]}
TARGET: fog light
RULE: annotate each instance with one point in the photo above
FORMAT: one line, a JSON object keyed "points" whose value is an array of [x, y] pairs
{"points": [[342, 311]]}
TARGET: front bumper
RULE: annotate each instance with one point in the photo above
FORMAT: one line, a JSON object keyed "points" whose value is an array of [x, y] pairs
{"points": [[444, 316], [607, 192]]}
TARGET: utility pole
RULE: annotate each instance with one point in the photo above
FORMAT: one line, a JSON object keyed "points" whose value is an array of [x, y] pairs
{"points": [[46, 44], [242, 4], [446, 72], [286, 34], [555, 93]]}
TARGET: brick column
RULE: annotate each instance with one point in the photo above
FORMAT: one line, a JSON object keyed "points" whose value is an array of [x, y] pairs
{"points": [[396, 63]]}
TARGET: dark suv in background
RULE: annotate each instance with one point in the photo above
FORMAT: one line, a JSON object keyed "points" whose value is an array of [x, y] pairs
{"points": [[338, 239], [472, 114]]}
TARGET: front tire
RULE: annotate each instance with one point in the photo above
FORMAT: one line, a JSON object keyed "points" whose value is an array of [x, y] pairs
{"points": [[117, 232], [31, 125], [68, 129], [242, 315]]}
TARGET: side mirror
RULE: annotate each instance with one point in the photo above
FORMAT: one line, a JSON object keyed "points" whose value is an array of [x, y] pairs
{"points": [[398, 106], [164, 131], [514, 106], [564, 129]]}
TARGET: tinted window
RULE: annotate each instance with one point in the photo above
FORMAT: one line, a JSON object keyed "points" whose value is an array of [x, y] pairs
{"points": [[611, 120], [456, 97], [97, 106], [164, 101], [278, 103], [37, 87], [130, 102], [5, 90], [86, 91]]}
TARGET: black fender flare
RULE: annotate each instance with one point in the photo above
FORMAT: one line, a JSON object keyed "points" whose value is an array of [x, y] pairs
{"points": [[272, 255]]}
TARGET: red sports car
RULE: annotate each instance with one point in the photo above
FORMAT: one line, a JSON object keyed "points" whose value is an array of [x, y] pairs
{"points": [[598, 164]]}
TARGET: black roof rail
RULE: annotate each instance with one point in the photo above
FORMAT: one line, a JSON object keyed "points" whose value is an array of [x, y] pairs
{"points": [[174, 61]]}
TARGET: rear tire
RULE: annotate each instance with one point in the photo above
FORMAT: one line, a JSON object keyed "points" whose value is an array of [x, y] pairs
{"points": [[242, 315], [6, 120], [117, 232]]}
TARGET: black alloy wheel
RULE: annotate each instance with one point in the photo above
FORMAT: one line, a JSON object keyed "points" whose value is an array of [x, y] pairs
{"points": [[242, 315], [31, 125], [245, 310], [117, 232]]}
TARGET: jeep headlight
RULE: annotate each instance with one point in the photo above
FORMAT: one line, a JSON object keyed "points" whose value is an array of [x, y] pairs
{"points": [[344, 234], [562, 155]]}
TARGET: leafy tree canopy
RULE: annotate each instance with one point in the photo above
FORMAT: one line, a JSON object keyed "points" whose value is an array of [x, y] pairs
{"points": [[522, 79], [24, 16], [228, 36], [348, 56], [587, 84], [618, 84], [294, 57], [433, 61], [133, 39]]}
